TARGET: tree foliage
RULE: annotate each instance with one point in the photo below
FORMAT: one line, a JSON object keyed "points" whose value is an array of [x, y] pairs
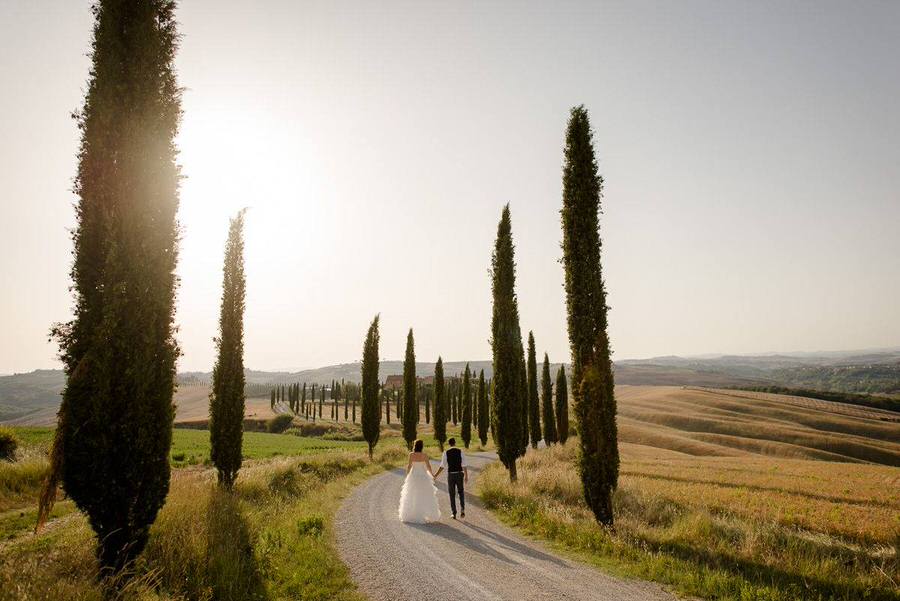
{"points": [[550, 434], [370, 388], [466, 429], [592, 378], [440, 404], [534, 408], [226, 400], [483, 411], [506, 347], [111, 447], [562, 405], [410, 415]]}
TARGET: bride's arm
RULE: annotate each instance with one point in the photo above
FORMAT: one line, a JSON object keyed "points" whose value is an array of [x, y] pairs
{"points": [[428, 466]]}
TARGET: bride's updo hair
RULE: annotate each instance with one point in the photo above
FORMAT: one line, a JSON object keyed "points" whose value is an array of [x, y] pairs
{"points": [[417, 446]]}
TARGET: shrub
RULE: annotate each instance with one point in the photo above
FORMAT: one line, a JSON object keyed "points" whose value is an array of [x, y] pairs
{"points": [[279, 423], [8, 444], [312, 525]]}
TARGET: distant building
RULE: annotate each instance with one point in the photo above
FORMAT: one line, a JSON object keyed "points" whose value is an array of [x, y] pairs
{"points": [[393, 382], [396, 382]]}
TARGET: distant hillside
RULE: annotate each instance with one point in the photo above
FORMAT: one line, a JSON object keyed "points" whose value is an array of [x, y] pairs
{"points": [[732, 423], [34, 397]]}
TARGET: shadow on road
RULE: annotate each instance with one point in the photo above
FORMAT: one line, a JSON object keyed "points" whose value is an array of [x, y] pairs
{"points": [[512, 545], [455, 536]]}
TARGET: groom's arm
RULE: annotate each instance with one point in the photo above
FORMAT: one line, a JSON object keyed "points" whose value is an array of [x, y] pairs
{"points": [[441, 466]]}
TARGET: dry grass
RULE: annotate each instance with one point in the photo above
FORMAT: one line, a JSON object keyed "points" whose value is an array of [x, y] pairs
{"points": [[730, 495], [748, 527], [734, 423], [270, 539]]}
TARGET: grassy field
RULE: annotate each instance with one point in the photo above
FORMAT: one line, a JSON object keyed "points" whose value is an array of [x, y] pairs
{"points": [[729, 496], [270, 539]]}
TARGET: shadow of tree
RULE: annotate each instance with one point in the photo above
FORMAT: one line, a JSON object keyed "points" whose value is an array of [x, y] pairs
{"points": [[231, 564]]}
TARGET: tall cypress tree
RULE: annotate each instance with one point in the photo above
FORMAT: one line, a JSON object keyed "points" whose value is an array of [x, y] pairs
{"points": [[370, 388], [592, 378], [346, 404], [466, 430], [272, 399], [506, 347], [440, 405], [562, 405], [523, 400], [483, 415], [119, 351], [550, 435], [534, 406], [409, 391], [226, 401], [303, 396], [321, 399]]}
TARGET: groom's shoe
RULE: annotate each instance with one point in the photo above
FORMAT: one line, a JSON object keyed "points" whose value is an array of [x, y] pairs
{"points": [[463, 515]]}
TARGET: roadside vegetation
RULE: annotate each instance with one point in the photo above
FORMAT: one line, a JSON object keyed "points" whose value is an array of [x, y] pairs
{"points": [[725, 528], [271, 538]]}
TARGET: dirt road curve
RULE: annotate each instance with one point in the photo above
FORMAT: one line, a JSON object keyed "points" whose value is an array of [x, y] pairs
{"points": [[476, 559]]}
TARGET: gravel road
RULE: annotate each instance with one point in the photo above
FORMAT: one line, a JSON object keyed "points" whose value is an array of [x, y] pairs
{"points": [[476, 559]]}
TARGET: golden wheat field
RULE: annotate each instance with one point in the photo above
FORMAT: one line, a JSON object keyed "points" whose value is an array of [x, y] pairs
{"points": [[730, 495]]}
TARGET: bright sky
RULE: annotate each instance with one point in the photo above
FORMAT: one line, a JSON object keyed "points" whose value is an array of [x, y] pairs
{"points": [[751, 152]]}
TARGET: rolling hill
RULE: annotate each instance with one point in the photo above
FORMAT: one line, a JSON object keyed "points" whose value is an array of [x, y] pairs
{"points": [[33, 398]]}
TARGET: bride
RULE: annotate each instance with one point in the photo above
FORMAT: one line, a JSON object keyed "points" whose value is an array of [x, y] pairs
{"points": [[418, 498]]}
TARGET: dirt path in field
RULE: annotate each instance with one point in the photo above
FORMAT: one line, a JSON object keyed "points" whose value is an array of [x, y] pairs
{"points": [[476, 559]]}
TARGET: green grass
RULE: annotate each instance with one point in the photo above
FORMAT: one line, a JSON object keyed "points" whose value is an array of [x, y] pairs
{"points": [[190, 447], [33, 436]]}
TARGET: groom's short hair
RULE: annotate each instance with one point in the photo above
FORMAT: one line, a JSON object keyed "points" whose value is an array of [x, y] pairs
{"points": [[452, 442]]}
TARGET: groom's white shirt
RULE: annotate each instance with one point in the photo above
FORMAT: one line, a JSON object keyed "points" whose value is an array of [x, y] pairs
{"points": [[444, 458]]}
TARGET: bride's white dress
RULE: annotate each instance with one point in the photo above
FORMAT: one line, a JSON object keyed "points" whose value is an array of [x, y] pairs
{"points": [[418, 497]]}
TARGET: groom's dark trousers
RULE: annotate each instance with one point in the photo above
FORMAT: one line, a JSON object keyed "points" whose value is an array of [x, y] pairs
{"points": [[455, 483]]}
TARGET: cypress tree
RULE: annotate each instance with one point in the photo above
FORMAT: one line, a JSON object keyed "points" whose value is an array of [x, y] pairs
{"points": [[440, 408], [409, 391], [303, 397], [523, 399], [321, 399], [483, 416], [562, 405], [466, 432], [119, 350], [272, 399], [550, 434], [534, 404], [506, 348], [592, 378], [346, 398], [226, 401], [428, 393], [370, 388], [455, 403]]}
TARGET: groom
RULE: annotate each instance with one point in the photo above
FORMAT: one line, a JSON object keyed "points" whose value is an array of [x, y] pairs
{"points": [[457, 476]]}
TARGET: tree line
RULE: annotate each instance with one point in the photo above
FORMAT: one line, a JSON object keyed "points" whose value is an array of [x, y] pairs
{"points": [[114, 433]]}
